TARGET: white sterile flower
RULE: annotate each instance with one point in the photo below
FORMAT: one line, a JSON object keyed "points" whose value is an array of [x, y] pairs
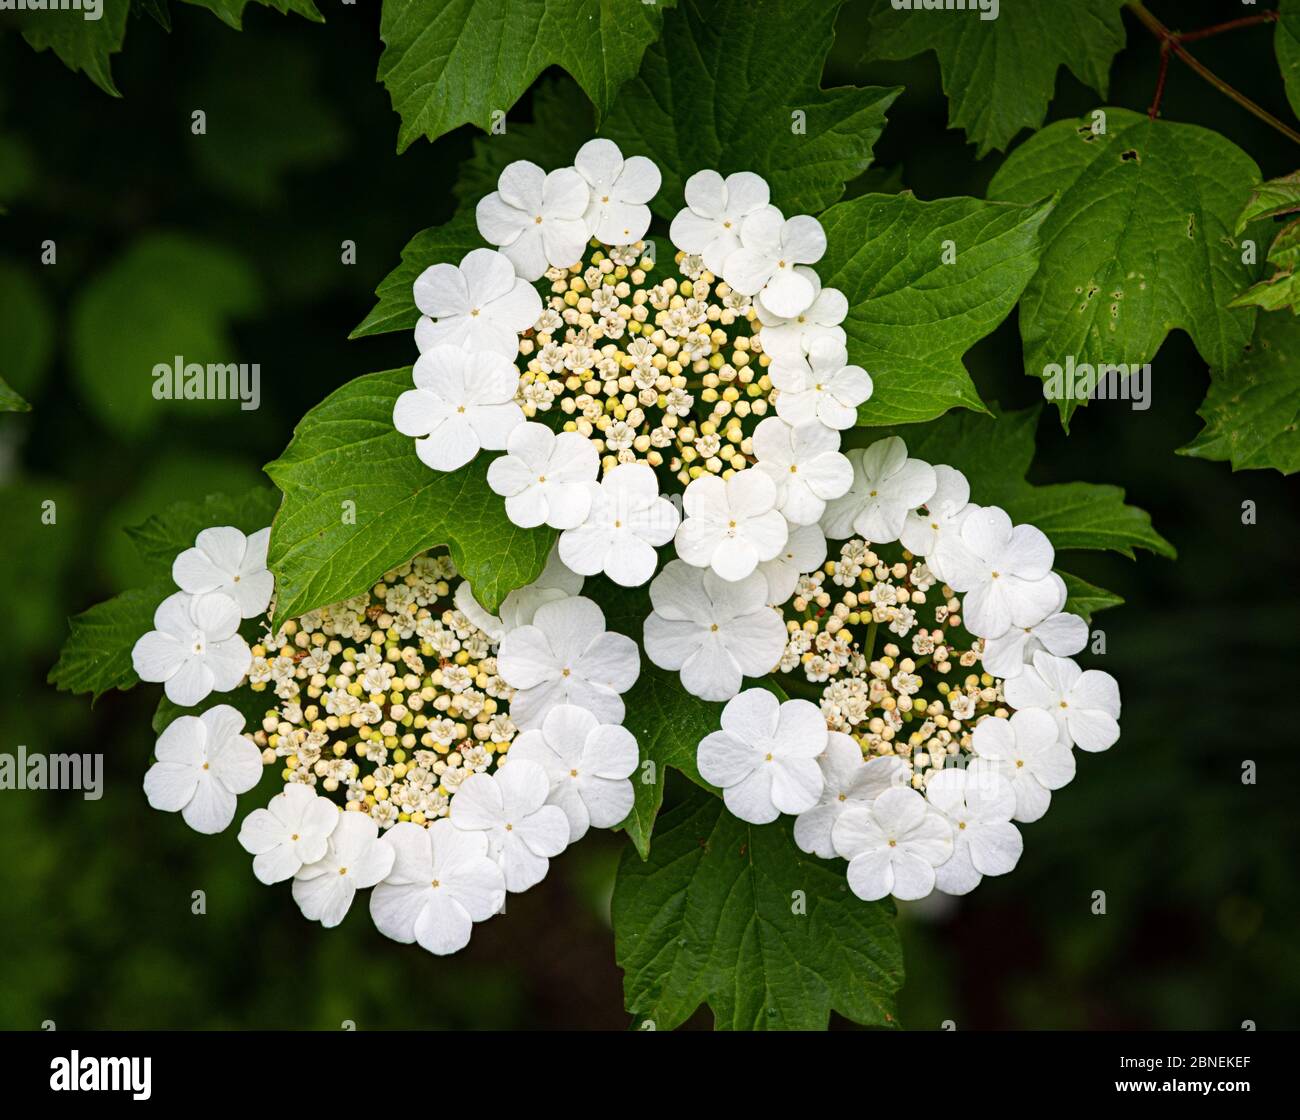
{"points": [[194, 647], [353, 860], [1059, 633], [805, 464], [509, 807], [565, 656], [620, 188], [924, 530], [587, 764], [480, 305], [442, 882], [848, 781], [893, 845], [1085, 705], [536, 217], [714, 631], [627, 521], [203, 762], [292, 831], [804, 551], [764, 265], [820, 321], [1002, 570], [765, 757], [820, 388], [461, 402], [545, 478], [978, 801], [887, 485], [731, 526], [1028, 747], [716, 209], [225, 560], [518, 608]]}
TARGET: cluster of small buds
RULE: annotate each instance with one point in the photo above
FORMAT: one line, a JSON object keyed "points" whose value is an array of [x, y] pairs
{"points": [[389, 700]]}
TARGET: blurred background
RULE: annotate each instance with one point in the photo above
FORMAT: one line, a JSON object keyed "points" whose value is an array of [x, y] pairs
{"points": [[229, 244]]}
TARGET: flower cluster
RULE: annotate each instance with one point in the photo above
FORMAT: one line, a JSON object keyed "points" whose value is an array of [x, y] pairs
{"points": [[423, 747]]}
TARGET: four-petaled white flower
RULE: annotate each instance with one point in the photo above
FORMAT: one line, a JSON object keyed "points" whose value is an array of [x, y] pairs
{"points": [[545, 478], [714, 631], [1029, 750], [587, 764], [893, 845], [765, 757], [716, 209], [925, 529], [978, 802], [203, 762], [462, 401], [771, 247], [820, 322], [354, 860], [627, 521], [1085, 705], [479, 306], [886, 486], [535, 218], [821, 388], [805, 464], [731, 526], [225, 560], [565, 656], [617, 213], [1061, 634], [804, 551], [194, 647], [518, 608], [848, 781], [291, 832], [442, 882]]}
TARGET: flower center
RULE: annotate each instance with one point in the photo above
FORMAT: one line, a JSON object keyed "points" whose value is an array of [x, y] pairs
{"points": [[343, 870]]}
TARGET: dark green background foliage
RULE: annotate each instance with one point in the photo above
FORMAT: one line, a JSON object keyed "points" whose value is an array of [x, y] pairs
{"points": [[230, 244]]}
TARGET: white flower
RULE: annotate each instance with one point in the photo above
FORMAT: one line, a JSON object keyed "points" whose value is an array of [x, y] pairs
{"points": [[587, 764], [620, 188], [520, 605], [804, 551], [354, 859], [924, 532], [893, 845], [713, 630], [1003, 571], [565, 656], [627, 521], [793, 338], [886, 486], [509, 807], [716, 209], [203, 762], [764, 265], [194, 647], [805, 464], [480, 306], [1028, 747], [765, 757], [848, 781], [1060, 634], [731, 526], [442, 882], [821, 388], [536, 218], [225, 560], [292, 831], [978, 802], [545, 478], [461, 402], [1085, 705]]}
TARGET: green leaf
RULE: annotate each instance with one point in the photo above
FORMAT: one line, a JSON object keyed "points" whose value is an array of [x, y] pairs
{"points": [[1253, 406], [911, 315], [27, 326], [1271, 199], [11, 401], [254, 706], [721, 91], [81, 44], [232, 11], [999, 74], [1140, 242], [453, 62], [96, 657], [1086, 599], [1286, 41], [712, 917], [1274, 199], [358, 502], [164, 536]]}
